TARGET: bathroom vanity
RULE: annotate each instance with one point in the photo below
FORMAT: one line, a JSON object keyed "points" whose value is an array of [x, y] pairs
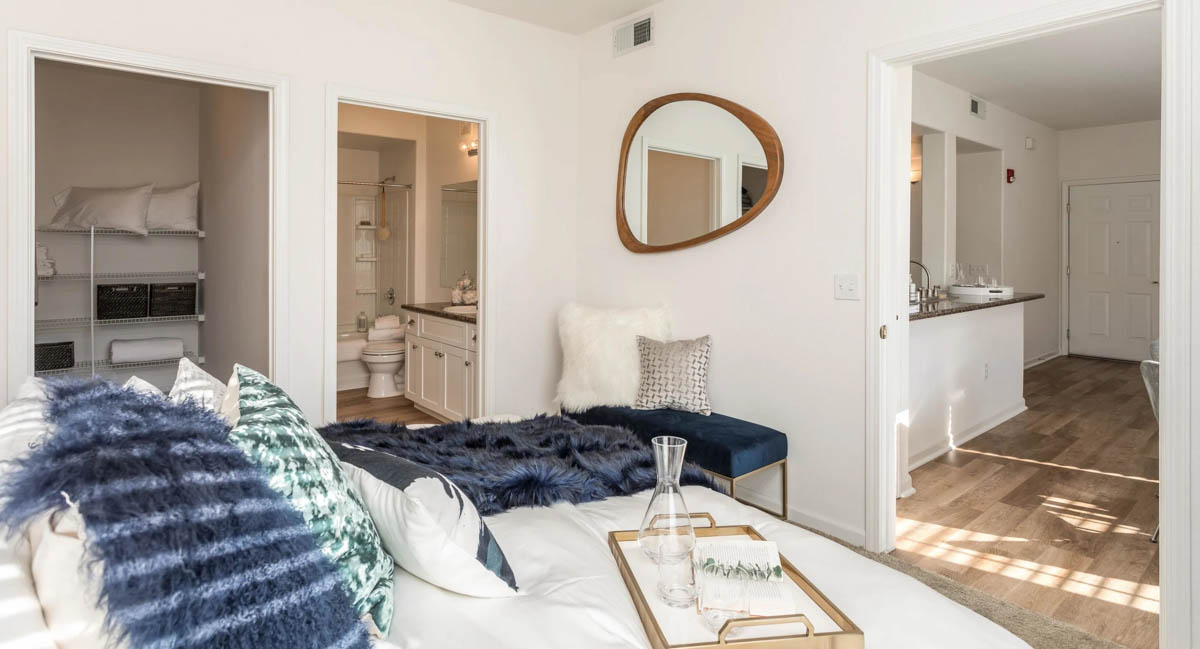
{"points": [[966, 373], [441, 368]]}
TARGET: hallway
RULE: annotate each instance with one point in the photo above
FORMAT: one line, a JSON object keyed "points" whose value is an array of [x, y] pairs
{"points": [[1053, 509]]}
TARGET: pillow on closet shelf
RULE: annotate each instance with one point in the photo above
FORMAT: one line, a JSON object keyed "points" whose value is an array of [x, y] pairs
{"points": [[427, 523], [85, 207], [175, 208]]}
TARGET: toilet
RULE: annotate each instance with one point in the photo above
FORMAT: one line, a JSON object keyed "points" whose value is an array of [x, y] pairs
{"points": [[383, 360]]}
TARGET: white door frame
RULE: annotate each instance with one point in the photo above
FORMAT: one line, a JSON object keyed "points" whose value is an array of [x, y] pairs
{"points": [[24, 49], [336, 94], [889, 122], [1064, 307]]}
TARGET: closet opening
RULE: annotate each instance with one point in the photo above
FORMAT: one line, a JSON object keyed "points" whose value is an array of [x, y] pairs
{"points": [[407, 216], [152, 213]]}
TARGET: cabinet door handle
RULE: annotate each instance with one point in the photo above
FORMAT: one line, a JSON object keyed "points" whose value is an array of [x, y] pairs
{"points": [[467, 363], [414, 346], [411, 321]]}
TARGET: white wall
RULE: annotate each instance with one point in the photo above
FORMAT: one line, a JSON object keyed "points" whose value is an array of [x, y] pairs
{"points": [[959, 388], [785, 354], [235, 186], [527, 77], [1032, 239], [1120, 150]]}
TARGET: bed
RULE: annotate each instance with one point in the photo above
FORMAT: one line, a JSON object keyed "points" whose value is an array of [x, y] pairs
{"points": [[573, 595]]}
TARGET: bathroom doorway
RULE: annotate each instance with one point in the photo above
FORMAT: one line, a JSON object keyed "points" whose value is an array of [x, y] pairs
{"points": [[407, 222]]}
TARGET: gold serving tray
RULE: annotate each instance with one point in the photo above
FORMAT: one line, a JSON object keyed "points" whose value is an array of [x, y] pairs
{"points": [[849, 637]]}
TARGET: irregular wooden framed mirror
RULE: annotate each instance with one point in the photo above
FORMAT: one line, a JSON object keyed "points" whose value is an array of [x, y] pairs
{"points": [[693, 168]]}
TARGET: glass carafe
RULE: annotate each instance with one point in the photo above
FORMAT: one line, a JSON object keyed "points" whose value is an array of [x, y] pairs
{"points": [[666, 531]]}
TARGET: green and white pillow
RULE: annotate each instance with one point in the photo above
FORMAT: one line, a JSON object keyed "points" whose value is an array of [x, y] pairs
{"points": [[275, 435]]}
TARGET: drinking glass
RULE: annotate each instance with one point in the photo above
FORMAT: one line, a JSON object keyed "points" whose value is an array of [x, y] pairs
{"points": [[677, 581], [722, 599]]}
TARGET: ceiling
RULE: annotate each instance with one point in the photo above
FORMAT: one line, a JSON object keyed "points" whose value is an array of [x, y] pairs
{"points": [[1106, 73], [571, 16]]}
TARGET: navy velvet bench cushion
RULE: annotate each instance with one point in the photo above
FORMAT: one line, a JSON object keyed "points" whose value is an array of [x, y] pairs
{"points": [[727, 447]]}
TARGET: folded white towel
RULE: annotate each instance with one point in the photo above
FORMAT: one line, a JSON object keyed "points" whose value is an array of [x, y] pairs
{"points": [[387, 322], [378, 335], [145, 349]]}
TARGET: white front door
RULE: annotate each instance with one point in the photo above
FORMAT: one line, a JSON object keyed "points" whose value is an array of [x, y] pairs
{"points": [[1113, 267]]}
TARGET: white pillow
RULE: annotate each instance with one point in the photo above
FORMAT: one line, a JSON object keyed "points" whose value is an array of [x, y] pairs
{"points": [[23, 421], [68, 582], [601, 365], [138, 384], [122, 208], [427, 524], [175, 208], [193, 383]]}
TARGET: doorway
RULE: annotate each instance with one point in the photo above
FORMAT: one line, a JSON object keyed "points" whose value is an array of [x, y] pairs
{"points": [[198, 115], [888, 153], [405, 222], [1112, 269]]}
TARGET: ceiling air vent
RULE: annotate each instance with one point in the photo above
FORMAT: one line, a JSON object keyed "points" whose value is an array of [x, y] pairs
{"points": [[633, 35], [978, 108]]}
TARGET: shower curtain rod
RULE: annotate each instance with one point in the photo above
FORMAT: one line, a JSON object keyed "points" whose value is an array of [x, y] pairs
{"points": [[357, 182]]}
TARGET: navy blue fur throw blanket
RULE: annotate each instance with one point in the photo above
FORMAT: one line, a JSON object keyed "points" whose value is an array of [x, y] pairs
{"points": [[196, 549], [529, 463]]}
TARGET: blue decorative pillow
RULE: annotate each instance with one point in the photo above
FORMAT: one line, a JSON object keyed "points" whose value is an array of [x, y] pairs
{"points": [[427, 524]]}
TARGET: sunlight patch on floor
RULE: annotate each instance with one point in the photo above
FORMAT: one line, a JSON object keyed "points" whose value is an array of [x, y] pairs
{"points": [[1056, 466], [941, 545]]}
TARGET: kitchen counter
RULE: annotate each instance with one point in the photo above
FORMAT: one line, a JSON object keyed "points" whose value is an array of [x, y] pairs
{"points": [[435, 309], [964, 303]]}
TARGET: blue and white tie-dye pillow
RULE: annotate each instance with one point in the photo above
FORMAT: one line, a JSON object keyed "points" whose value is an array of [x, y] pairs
{"points": [[427, 524]]}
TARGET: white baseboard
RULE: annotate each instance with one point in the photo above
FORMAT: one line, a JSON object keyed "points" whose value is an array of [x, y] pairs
{"points": [[852, 536], [964, 436], [1038, 360]]}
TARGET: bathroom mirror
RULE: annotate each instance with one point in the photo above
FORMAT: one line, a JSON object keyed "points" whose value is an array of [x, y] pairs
{"points": [[693, 168]]}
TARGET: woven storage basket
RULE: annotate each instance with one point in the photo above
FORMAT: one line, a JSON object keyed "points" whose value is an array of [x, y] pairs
{"points": [[53, 356], [172, 299], [115, 301]]}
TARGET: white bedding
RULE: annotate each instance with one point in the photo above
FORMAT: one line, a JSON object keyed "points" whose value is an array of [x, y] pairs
{"points": [[574, 596]]}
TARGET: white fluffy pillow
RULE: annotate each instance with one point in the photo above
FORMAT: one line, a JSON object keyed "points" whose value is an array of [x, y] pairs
{"points": [[175, 208], [601, 365], [121, 208], [428, 524]]}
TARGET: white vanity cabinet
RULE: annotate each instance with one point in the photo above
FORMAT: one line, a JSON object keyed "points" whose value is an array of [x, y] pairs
{"points": [[440, 370]]}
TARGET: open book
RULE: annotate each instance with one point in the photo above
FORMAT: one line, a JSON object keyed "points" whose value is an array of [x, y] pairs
{"points": [[733, 572]]}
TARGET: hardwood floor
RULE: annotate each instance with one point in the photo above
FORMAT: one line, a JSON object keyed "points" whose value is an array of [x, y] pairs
{"points": [[355, 404], [1053, 509]]}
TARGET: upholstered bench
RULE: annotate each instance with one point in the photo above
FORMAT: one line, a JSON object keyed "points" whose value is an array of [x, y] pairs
{"points": [[728, 449]]}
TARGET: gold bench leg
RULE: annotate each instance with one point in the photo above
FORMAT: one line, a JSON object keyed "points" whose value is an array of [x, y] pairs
{"points": [[783, 513]]}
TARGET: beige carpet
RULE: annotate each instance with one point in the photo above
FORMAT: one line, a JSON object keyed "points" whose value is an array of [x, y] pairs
{"points": [[1040, 631]]}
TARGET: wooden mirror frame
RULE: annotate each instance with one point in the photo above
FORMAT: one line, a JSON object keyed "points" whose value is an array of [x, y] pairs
{"points": [[766, 136]]}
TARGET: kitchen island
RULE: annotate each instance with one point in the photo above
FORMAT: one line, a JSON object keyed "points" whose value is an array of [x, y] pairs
{"points": [[966, 373]]}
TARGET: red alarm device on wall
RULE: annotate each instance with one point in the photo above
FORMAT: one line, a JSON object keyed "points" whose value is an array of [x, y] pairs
{"points": [[1012, 176]]}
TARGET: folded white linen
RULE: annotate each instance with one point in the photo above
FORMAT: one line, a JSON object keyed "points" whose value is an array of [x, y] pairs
{"points": [[378, 335], [387, 322], [145, 349]]}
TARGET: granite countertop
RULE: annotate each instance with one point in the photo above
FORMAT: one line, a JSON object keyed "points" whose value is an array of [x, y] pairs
{"points": [[435, 309], [964, 303]]}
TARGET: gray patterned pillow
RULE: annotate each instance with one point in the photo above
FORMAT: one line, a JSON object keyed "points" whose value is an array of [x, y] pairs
{"points": [[674, 375]]}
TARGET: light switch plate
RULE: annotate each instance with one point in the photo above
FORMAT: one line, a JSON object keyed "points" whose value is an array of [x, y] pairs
{"points": [[845, 286]]}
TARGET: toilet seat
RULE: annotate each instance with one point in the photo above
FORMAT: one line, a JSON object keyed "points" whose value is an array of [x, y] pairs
{"points": [[383, 349]]}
